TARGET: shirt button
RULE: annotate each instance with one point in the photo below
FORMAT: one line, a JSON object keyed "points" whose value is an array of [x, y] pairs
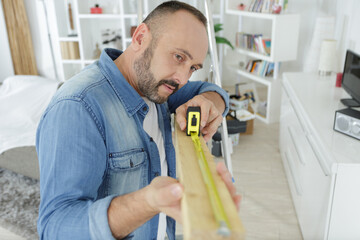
{"points": [[151, 139], [144, 109], [157, 174]]}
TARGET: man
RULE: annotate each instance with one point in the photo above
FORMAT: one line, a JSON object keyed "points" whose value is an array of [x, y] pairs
{"points": [[107, 163]]}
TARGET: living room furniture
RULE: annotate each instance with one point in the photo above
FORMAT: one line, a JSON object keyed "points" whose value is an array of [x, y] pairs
{"points": [[283, 30], [322, 165]]}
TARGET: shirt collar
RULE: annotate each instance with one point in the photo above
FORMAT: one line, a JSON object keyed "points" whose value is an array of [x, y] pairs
{"points": [[125, 92]]}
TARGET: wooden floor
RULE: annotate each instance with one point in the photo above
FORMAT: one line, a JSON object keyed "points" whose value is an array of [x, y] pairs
{"points": [[266, 210]]}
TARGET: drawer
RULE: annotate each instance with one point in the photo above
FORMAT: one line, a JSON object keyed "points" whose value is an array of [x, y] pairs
{"points": [[315, 199], [293, 177]]}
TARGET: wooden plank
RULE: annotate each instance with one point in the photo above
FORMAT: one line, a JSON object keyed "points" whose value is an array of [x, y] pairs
{"points": [[198, 219], [19, 35]]}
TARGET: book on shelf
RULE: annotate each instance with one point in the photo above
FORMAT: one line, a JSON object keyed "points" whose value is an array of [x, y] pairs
{"points": [[266, 6], [253, 42], [258, 6], [270, 70], [260, 68], [267, 45], [251, 5]]}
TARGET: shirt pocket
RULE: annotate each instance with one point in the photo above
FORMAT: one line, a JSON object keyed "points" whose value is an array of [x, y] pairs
{"points": [[127, 171], [127, 160]]}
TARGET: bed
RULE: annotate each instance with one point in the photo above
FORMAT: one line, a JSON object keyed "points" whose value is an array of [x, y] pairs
{"points": [[22, 102]]}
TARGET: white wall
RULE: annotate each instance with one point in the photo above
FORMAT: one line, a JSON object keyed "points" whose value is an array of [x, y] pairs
{"points": [[39, 34]]}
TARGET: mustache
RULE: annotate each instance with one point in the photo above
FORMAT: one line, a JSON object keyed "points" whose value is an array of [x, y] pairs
{"points": [[169, 82]]}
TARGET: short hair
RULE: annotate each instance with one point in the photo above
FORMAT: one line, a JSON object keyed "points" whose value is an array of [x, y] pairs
{"points": [[167, 8]]}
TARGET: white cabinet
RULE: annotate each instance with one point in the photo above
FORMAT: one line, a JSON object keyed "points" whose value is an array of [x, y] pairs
{"points": [[118, 16], [283, 29], [322, 166]]}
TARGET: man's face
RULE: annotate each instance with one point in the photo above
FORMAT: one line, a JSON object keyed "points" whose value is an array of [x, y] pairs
{"points": [[147, 83], [162, 69]]}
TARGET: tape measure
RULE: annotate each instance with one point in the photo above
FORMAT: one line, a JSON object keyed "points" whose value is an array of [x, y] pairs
{"points": [[193, 129]]}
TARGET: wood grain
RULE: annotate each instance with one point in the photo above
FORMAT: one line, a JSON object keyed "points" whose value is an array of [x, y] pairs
{"points": [[198, 219], [22, 52]]}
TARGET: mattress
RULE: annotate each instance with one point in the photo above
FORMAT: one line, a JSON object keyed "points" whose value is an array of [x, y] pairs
{"points": [[23, 99]]}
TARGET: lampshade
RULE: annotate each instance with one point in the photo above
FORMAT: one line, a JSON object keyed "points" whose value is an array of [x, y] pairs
{"points": [[327, 57]]}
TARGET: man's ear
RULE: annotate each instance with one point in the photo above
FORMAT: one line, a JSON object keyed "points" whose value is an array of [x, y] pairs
{"points": [[140, 35]]}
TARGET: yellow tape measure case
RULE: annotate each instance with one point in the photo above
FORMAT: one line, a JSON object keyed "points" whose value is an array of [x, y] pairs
{"points": [[193, 117]]}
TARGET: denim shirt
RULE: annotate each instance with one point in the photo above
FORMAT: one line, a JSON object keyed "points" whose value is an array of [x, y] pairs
{"points": [[92, 147]]}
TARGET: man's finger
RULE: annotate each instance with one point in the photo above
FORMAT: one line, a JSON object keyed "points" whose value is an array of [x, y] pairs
{"points": [[181, 117], [226, 176], [205, 109]]}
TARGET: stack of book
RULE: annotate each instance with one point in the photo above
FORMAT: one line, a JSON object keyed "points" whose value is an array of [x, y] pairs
{"points": [[260, 68], [266, 6], [254, 42]]}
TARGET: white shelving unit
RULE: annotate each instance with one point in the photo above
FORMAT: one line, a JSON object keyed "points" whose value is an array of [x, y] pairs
{"points": [[119, 15], [283, 29]]}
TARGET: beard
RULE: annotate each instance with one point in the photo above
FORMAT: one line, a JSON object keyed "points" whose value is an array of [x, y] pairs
{"points": [[147, 83]]}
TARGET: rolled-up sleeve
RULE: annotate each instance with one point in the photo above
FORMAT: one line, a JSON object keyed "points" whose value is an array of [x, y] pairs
{"points": [[193, 88], [72, 158]]}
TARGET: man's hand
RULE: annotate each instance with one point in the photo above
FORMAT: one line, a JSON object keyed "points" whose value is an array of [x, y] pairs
{"points": [[226, 177], [130, 211], [211, 114], [164, 195]]}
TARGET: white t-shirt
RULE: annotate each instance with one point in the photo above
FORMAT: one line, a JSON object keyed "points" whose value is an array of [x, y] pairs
{"points": [[151, 127]]}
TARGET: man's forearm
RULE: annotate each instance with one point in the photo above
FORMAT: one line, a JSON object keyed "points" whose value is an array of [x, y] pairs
{"points": [[216, 99], [128, 212]]}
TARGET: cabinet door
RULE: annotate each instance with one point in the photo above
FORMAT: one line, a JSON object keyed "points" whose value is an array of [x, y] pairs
{"points": [[315, 201], [345, 214]]}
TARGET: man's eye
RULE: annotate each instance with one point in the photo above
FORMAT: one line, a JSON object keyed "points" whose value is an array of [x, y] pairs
{"points": [[179, 58], [193, 69]]}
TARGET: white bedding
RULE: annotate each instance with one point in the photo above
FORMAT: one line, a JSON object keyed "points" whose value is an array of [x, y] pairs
{"points": [[22, 102]]}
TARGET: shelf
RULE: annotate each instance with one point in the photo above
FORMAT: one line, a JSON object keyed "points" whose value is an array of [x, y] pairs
{"points": [[71, 61], [252, 14], [263, 80], [130, 15], [100, 16], [90, 61], [231, 8], [262, 118], [68, 39], [255, 54]]}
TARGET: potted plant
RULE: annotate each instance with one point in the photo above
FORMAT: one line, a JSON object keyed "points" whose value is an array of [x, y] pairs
{"points": [[221, 40]]}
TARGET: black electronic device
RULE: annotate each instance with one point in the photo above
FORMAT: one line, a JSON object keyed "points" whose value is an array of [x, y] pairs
{"points": [[351, 79], [347, 121]]}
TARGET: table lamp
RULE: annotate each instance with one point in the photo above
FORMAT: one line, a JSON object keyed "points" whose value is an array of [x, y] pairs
{"points": [[327, 57]]}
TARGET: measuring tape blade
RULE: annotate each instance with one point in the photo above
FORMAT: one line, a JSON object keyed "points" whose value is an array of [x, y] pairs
{"points": [[215, 201]]}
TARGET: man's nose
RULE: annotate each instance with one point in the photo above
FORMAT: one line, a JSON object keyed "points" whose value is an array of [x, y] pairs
{"points": [[182, 75]]}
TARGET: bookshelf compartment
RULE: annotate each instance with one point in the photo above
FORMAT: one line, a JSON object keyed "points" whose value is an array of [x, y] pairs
{"points": [[106, 33]]}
